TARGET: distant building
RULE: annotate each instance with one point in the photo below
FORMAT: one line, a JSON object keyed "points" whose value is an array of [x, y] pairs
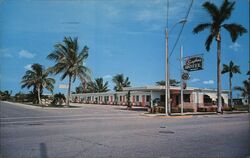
{"points": [[194, 98]]}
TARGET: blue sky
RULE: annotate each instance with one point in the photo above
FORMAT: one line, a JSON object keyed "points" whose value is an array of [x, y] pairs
{"points": [[123, 36]]}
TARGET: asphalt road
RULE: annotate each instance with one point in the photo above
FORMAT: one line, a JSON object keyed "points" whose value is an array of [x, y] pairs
{"points": [[109, 131]]}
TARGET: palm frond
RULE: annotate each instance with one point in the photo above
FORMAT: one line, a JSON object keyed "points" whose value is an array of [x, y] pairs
{"points": [[225, 69], [209, 41], [235, 30], [212, 9], [226, 10], [201, 27]]}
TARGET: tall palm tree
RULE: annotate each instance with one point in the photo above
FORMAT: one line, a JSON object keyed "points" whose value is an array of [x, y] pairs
{"points": [[70, 62], [245, 91], [218, 16], [231, 69], [120, 82], [37, 78]]}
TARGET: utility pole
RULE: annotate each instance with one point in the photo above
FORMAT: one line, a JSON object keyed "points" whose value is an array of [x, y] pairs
{"points": [[181, 69], [167, 74], [167, 77]]}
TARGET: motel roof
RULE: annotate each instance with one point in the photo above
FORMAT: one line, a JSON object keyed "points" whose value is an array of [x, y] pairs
{"points": [[161, 88]]}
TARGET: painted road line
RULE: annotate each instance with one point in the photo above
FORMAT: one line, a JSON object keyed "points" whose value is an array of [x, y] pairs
{"points": [[69, 119]]}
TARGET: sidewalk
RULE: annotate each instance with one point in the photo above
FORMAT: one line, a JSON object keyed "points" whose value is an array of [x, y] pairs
{"points": [[191, 114]]}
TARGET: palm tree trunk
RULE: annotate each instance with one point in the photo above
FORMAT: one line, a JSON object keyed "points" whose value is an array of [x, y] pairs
{"points": [[38, 95], [68, 95], [219, 105], [230, 93]]}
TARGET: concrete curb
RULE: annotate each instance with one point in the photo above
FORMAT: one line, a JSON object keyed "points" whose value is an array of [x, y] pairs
{"points": [[23, 105], [164, 116], [190, 115]]}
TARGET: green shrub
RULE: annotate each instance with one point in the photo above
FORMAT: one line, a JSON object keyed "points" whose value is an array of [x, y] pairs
{"points": [[226, 108], [201, 109], [211, 109], [188, 110], [58, 99], [175, 110]]}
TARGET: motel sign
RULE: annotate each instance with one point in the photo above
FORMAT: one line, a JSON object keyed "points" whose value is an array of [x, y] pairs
{"points": [[193, 63]]}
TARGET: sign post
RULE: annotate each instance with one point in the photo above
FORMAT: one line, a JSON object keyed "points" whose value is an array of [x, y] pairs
{"points": [[192, 63]]}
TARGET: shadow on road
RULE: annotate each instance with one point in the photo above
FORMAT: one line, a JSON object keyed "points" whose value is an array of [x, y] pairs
{"points": [[133, 109], [43, 151]]}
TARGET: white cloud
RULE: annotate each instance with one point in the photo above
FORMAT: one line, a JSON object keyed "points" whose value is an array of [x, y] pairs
{"points": [[5, 54], [28, 67], [111, 11], [26, 54], [235, 46], [147, 15], [107, 77], [195, 80], [209, 82]]}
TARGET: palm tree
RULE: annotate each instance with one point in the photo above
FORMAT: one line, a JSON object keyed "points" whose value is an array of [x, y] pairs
{"points": [[120, 82], [245, 91], [99, 86], [90, 88], [218, 16], [172, 82], [231, 69], [37, 78], [5, 95], [79, 89], [69, 61]]}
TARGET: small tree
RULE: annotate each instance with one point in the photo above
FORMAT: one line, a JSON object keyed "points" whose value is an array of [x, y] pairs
{"points": [[5, 95], [245, 91], [230, 69], [172, 82], [115, 98], [58, 99], [128, 100], [38, 78]]}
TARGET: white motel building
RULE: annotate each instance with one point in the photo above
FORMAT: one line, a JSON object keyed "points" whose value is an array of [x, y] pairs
{"points": [[194, 98]]}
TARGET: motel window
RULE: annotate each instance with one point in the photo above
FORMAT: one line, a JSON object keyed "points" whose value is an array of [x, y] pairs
{"points": [[137, 98], [207, 99], [186, 98], [106, 98], [177, 98], [162, 98], [148, 98], [120, 98]]}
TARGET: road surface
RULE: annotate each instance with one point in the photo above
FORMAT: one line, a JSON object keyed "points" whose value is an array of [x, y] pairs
{"points": [[101, 131]]}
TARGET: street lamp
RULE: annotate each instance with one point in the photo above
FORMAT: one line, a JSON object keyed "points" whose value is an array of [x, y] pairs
{"points": [[167, 85]]}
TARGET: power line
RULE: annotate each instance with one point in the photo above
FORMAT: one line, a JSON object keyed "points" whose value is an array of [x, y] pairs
{"points": [[182, 27]]}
